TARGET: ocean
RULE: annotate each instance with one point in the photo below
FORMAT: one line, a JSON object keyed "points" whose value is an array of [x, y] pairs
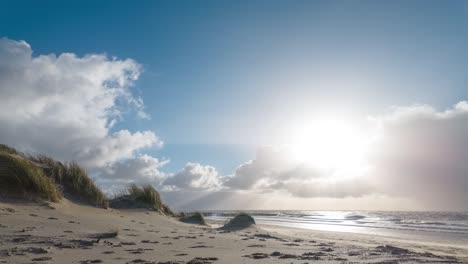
{"points": [[440, 227]]}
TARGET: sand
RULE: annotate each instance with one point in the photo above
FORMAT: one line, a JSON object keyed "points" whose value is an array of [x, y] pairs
{"points": [[74, 233]]}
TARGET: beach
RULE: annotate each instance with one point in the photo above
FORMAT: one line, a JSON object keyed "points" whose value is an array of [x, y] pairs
{"points": [[69, 232]]}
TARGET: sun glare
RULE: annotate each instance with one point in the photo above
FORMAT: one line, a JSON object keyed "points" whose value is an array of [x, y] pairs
{"points": [[329, 144]]}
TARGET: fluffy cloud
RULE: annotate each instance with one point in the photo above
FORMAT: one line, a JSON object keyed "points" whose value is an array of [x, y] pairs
{"points": [[66, 105], [418, 153], [423, 153], [143, 169], [270, 164], [194, 176], [273, 169]]}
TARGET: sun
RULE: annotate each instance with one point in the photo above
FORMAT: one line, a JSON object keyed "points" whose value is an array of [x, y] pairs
{"points": [[329, 144]]}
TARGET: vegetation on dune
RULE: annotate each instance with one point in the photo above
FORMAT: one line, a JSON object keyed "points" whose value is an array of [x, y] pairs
{"points": [[141, 197], [73, 178], [146, 194], [44, 177], [167, 210], [7, 149], [19, 176]]}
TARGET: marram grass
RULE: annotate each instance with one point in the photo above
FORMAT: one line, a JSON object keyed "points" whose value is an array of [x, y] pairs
{"points": [[7, 149], [73, 178], [44, 177], [146, 194], [19, 176]]}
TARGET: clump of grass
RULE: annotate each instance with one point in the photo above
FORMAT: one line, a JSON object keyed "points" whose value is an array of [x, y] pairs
{"points": [[167, 211], [140, 197], [7, 149], [77, 179], [73, 178], [19, 176], [146, 194]]}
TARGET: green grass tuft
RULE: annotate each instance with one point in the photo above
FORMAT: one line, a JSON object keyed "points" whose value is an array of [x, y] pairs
{"points": [[19, 176], [46, 177], [7, 149], [146, 194], [76, 179], [73, 178], [24, 175]]}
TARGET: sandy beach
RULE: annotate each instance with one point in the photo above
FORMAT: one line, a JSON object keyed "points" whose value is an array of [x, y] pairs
{"points": [[67, 232]]}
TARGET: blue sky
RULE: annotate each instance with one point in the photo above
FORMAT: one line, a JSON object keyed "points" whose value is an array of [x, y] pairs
{"points": [[221, 78]]}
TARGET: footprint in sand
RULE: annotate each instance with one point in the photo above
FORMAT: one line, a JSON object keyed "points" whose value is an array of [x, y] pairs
{"points": [[203, 260], [257, 256], [292, 244], [256, 246], [141, 261], [41, 259], [88, 261], [149, 242], [201, 246]]}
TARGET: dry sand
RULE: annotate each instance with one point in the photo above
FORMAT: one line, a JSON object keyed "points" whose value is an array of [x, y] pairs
{"points": [[69, 233]]}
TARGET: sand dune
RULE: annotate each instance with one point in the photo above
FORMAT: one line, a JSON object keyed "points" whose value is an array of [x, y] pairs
{"points": [[70, 233]]}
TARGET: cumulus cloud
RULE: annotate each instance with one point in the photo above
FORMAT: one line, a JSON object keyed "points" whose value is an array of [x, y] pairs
{"points": [[418, 152], [194, 176], [423, 153], [66, 106], [274, 169], [271, 163], [143, 169]]}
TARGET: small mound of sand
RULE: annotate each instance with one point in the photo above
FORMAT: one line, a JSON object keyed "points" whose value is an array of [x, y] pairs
{"points": [[128, 202], [240, 221], [196, 218]]}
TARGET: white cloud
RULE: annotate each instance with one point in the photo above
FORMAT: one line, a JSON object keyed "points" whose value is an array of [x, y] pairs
{"points": [[273, 169], [143, 169], [423, 153], [194, 176], [419, 153], [66, 105]]}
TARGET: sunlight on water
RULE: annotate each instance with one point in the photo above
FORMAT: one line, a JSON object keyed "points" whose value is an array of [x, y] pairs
{"points": [[434, 226]]}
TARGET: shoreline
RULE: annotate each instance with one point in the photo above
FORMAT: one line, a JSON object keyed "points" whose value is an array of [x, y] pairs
{"points": [[366, 223]]}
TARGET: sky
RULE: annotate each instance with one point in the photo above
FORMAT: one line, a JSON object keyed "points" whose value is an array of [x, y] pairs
{"points": [[246, 104]]}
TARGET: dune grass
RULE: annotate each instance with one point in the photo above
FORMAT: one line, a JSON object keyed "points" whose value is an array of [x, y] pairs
{"points": [[146, 194], [26, 175], [7, 149], [42, 176], [19, 176], [73, 178]]}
